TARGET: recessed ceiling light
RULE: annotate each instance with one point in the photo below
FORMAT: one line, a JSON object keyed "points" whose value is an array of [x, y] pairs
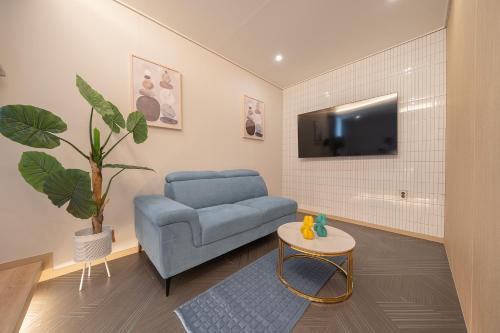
{"points": [[278, 57]]}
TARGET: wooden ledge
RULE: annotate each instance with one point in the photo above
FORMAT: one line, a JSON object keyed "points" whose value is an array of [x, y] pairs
{"points": [[17, 286]]}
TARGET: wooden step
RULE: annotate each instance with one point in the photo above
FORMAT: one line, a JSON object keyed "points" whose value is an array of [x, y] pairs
{"points": [[16, 289]]}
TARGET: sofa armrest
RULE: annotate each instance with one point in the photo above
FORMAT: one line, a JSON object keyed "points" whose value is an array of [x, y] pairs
{"points": [[162, 211]]}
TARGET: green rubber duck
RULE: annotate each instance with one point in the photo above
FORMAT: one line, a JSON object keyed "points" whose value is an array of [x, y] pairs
{"points": [[319, 225]]}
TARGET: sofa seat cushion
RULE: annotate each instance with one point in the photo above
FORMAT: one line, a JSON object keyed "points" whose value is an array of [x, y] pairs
{"points": [[272, 208], [219, 222]]}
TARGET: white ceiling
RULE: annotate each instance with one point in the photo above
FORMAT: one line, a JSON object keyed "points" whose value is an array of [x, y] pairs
{"points": [[314, 36]]}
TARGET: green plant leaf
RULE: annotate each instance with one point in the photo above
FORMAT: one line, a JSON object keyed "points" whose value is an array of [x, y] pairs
{"points": [[110, 113], [136, 124], [96, 147], [94, 98], [36, 166], [31, 126], [73, 186], [115, 121], [126, 166], [96, 144]]}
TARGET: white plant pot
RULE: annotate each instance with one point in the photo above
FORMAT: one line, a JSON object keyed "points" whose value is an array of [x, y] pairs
{"points": [[89, 247]]}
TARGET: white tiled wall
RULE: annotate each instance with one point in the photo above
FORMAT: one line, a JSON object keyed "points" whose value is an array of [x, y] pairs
{"points": [[367, 188]]}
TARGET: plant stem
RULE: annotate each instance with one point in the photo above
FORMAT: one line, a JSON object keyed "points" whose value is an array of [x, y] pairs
{"points": [[107, 140], [75, 147], [116, 144], [97, 196], [90, 127], [109, 184], [97, 223]]}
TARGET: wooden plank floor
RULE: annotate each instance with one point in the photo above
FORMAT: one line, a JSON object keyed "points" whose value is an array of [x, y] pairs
{"points": [[401, 284]]}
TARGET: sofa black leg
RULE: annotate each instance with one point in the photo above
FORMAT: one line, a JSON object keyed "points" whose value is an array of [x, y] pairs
{"points": [[167, 286], [140, 248]]}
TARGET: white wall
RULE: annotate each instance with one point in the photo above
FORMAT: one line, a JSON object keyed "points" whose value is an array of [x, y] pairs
{"points": [[45, 43], [367, 188]]}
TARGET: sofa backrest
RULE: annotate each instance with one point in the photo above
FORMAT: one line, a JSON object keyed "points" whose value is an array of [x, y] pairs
{"points": [[199, 189]]}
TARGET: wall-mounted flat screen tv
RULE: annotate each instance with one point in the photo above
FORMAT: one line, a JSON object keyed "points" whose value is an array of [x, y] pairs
{"points": [[368, 127]]}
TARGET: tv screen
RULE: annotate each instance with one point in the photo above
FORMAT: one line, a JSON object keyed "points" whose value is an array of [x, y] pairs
{"points": [[367, 127]]}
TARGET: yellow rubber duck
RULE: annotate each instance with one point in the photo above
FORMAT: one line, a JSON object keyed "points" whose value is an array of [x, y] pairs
{"points": [[306, 228]]}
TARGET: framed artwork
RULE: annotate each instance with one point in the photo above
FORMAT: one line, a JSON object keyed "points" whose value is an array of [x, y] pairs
{"points": [[157, 93], [253, 118]]}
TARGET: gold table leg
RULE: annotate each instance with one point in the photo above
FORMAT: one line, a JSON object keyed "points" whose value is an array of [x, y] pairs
{"points": [[348, 274]]}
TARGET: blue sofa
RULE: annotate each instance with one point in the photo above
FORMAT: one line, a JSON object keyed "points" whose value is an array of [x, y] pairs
{"points": [[205, 214]]}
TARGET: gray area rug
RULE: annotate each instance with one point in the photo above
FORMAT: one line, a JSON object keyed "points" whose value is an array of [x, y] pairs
{"points": [[254, 300]]}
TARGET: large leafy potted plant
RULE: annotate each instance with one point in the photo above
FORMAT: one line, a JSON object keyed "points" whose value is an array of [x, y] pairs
{"points": [[81, 190]]}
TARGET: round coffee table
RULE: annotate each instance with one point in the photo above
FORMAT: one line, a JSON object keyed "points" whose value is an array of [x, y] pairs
{"points": [[336, 244]]}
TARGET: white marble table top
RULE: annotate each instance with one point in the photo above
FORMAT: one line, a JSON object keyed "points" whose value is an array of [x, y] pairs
{"points": [[337, 241]]}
